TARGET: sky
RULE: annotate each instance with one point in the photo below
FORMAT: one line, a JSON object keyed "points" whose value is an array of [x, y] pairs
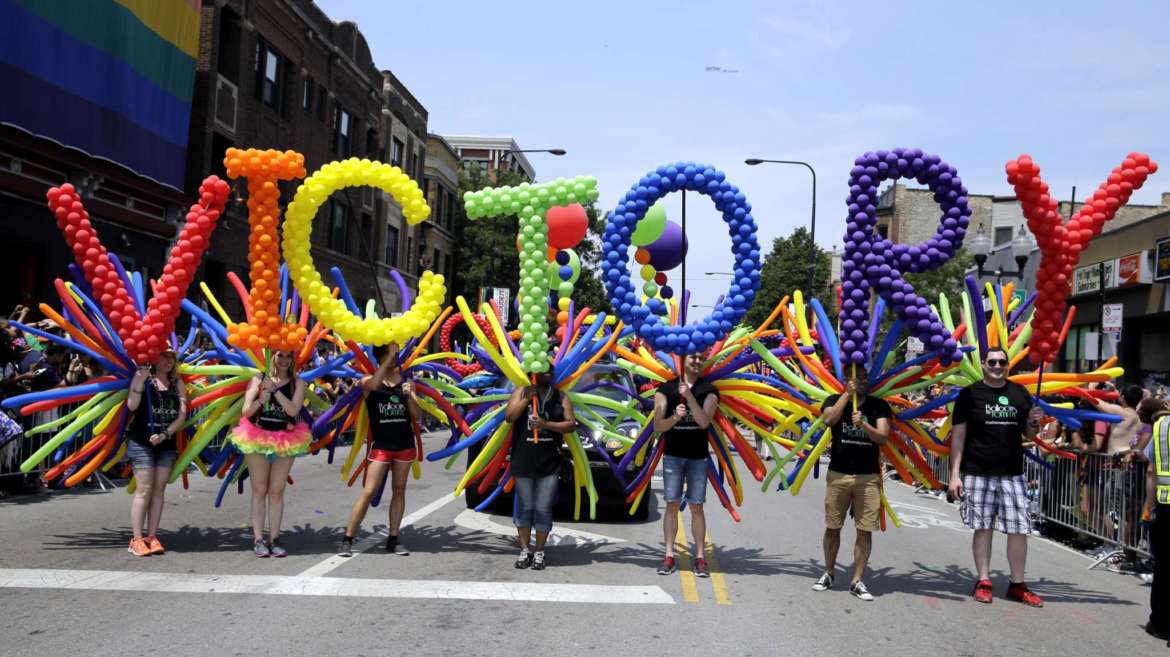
{"points": [[625, 87]]}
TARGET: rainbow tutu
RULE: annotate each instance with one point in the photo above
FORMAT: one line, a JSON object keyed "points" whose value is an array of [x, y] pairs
{"points": [[251, 439]]}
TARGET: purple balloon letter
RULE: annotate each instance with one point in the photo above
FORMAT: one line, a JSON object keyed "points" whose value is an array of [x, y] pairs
{"points": [[874, 263]]}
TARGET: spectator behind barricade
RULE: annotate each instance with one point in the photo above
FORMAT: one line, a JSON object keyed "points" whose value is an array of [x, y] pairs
{"points": [[1122, 436], [1148, 410]]}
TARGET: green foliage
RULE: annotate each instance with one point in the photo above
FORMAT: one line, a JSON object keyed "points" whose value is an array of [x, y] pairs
{"points": [[947, 279], [786, 270]]}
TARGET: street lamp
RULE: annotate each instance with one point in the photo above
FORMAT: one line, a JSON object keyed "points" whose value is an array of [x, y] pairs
{"points": [[812, 249], [1021, 248]]}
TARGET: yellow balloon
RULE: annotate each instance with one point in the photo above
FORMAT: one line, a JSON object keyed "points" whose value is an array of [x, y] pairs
{"points": [[298, 226]]}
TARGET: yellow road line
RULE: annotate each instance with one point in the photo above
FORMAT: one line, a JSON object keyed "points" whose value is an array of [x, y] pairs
{"points": [[686, 574], [718, 582]]}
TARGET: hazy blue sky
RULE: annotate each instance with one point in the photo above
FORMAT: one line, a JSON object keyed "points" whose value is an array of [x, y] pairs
{"points": [[623, 87]]}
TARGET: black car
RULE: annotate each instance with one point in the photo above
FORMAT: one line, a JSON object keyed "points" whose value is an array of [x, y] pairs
{"points": [[611, 495]]}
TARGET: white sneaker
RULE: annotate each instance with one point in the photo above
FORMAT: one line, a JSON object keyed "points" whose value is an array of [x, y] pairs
{"points": [[824, 583], [860, 592]]}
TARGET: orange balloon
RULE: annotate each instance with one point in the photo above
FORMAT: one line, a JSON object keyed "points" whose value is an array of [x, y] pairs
{"points": [[642, 257]]}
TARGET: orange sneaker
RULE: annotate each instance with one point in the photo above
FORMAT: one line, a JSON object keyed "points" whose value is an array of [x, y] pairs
{"points": [[139, 547], [155, 545]]}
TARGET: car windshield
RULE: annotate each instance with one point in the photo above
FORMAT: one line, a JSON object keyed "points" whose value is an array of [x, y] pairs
{"points": [[600, 381]]}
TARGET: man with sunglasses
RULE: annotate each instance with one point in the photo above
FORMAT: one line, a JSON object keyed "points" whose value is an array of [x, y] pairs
{"points": [[991, 421]]}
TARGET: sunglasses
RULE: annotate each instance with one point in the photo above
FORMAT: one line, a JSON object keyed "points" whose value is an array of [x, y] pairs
{"points": [[997, 362]]}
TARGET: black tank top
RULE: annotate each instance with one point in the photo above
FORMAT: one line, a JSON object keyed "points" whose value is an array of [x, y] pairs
{"points": [[157, 409], [543, 458], [271, 416], [389, 418]]}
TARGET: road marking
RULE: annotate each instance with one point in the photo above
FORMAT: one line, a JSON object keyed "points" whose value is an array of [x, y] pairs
{"points": [[470, 519], [112, 580], [334, 562], [717, 580], [686, 574]]}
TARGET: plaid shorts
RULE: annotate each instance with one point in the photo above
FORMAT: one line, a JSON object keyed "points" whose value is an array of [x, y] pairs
{"points": [[996, 503]]}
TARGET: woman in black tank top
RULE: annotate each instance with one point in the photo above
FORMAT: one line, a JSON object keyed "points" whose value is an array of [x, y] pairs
{"points": [[536, 460], [158, 403], [393, 413], [270, 434]]}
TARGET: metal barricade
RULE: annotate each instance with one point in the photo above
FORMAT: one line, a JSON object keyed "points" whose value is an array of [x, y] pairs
{"points": [[1097, 495], [18, 450]]}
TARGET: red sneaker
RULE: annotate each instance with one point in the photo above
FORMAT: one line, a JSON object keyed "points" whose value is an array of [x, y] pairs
{"points": [[983, 591], [667, 567], [1020, 593]]}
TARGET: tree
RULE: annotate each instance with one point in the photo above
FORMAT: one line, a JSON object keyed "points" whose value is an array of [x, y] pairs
{"points": [[486, 248], [786, 270], [947, 279]]}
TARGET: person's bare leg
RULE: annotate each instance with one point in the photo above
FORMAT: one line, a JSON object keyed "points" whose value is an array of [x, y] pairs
{"points": [[981, 548], [400, 473], [375, 475], [861, 549], [541, 537], [698, 530], [277, 480], [1017, 554], [258, 468], [831, 544], [525, 535], [157, 492], [140, 503], [670, 526]]}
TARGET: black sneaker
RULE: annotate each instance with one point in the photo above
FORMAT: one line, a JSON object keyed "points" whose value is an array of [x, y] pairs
{"points": [[524, 560], [346, 547], [824, 583], [668, 566], [538, 560], [1155, 632], [396, 546]]}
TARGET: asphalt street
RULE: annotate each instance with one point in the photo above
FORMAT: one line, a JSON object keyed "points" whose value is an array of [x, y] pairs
{"points": [[68, 586]]}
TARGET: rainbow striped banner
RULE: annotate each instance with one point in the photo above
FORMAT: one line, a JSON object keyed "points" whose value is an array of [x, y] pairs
{"points": [[113, 78]]}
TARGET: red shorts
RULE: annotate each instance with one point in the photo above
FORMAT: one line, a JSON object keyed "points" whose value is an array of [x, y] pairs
{"points": [[400, 455]]}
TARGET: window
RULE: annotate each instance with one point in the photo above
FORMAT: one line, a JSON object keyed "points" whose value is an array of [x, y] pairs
{"points": [[270, 66], [321, 96], [337, 225], [307, 89], [436, 264], [1003, 235], [342, 127], [392, 246], [449, 210], [396, 148], [883, 231], [372, 144]]}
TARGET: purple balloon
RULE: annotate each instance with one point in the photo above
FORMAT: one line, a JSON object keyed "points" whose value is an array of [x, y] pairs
{"points": [[880, 263], [668, 250]]}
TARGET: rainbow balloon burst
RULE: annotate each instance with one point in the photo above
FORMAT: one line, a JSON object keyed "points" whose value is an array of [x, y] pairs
{"points": [[102, 414], [583, 344]]}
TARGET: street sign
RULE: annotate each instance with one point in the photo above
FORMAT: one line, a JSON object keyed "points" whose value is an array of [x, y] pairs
{"points": [[914, 346], [1111, 318], [502, 297]]}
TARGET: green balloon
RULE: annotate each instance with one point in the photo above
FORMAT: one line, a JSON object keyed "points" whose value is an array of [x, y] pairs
{"points": [[554, 270], [565, 290], [651, 226]]}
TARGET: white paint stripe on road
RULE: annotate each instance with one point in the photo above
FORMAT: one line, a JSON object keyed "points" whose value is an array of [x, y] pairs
{"points": [[334, 562], [111, 580], [481, 522]]}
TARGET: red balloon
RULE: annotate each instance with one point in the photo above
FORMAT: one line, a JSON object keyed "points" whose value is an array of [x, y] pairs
{"points": [[567, 226]]}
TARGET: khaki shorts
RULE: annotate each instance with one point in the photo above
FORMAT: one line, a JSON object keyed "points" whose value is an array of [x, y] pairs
{"points": [[863, 490]]}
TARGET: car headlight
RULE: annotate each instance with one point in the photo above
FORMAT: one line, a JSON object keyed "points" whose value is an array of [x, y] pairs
{"points": [[613, 444]]}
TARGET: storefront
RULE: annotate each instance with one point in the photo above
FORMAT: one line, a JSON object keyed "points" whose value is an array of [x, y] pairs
{"points": [[1118, 269]]}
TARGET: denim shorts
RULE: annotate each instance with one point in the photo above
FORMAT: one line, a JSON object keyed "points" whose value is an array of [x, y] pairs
{"points": [[143, 457], [675, 469]]}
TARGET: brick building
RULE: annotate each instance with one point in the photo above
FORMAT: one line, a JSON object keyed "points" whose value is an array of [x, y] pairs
{"points": [[405, 126], [283, 75], [441, 184], [487, 154]]}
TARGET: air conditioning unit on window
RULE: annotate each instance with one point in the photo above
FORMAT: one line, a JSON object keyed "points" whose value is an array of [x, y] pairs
{"points": [[226, 95]]}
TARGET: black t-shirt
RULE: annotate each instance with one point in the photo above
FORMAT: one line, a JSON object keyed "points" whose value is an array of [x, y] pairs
{"points": [[157, 409], [543, 457], [687, 439], [852, 451], [389, 418], [996, 420], [271, 416]]}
